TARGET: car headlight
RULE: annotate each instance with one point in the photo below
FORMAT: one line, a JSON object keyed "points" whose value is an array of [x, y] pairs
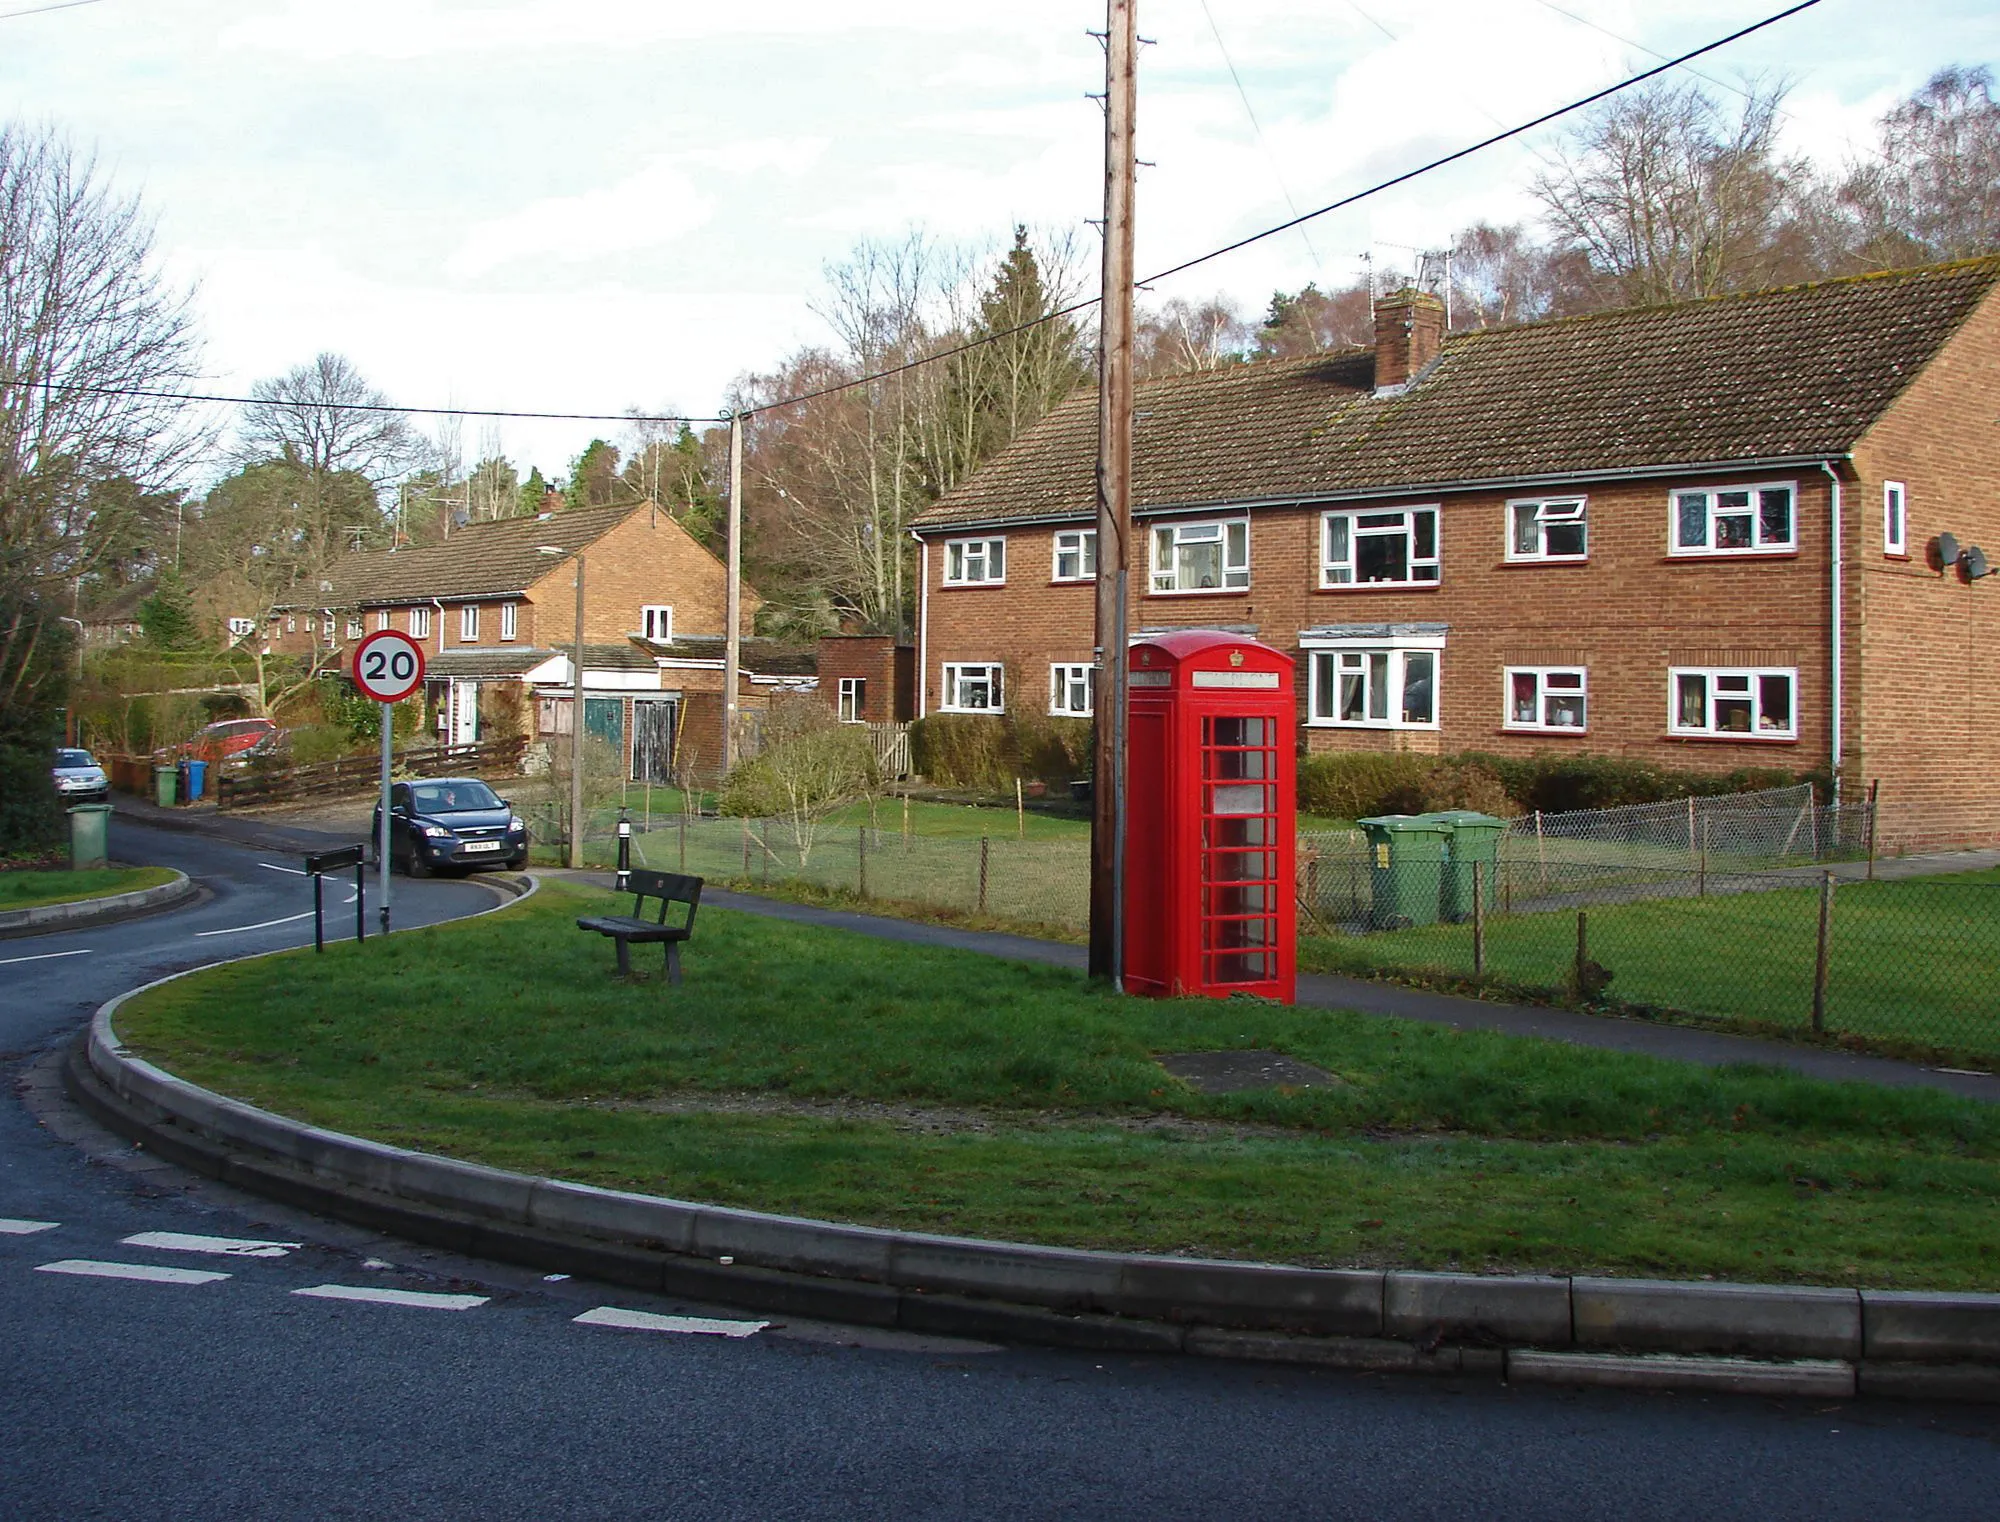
{"points": [[516, 825], [437, 832]]}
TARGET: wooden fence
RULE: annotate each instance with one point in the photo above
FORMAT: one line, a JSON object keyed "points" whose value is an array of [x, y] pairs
{"points": [[892, 748], [360, 774]]}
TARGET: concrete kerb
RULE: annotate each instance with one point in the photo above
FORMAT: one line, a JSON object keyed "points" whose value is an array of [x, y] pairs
{"points": [[79, 913], [1653, 1334]]}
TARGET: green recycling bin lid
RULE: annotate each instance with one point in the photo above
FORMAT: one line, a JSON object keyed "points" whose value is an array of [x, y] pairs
{"points": [[90, 808], [1405, 824], [1459, 819]]}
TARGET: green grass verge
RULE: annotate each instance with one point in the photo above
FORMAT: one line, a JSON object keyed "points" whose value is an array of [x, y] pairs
{"points": [[1911, 964], [34, 890], [807, 1071]]}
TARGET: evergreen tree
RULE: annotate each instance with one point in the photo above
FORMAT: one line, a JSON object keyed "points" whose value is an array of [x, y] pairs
{"points": [[532, 491], [593, 476], [168, 616]]}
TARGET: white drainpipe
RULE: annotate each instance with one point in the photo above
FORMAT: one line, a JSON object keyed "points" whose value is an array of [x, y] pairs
{"points": [[923, 622], [1836, 577]]}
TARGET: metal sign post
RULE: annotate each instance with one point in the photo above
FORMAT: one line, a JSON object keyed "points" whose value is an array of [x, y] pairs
{"points": [[388, 667], [318, 865]]}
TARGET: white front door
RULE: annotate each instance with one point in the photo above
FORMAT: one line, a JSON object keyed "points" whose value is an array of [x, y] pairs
{"points": [[464, 713]]}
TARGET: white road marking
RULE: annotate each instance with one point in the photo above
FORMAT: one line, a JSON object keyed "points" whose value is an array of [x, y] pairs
{"points": [[25, 1228], [152, 1273], [46, 956], [393, 1297], [272, 866], [646, 1321], [263, 925], [233, 1247]]}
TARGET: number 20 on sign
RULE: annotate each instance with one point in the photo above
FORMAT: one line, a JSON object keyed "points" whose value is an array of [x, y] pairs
{"points": [[388, 666]]}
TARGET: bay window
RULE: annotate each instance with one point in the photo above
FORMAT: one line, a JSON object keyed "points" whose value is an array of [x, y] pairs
{"points": [[1388, 682]]}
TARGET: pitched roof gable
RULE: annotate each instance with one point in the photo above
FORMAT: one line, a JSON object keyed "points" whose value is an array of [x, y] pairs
{"points": [[1801, 371], [479, 560]]}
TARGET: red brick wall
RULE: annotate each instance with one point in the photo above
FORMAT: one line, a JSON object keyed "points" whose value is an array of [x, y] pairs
{"points": [[878, 661], [1924, 648], [1627, 614], [648, 558]]}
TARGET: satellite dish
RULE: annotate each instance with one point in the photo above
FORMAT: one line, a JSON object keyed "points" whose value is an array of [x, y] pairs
{"points": [[1946, 546], [1975, 563]]}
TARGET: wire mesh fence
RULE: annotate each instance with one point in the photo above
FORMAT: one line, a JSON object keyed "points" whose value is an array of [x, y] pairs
{"points": [[1906, 964], [1773, 827]]}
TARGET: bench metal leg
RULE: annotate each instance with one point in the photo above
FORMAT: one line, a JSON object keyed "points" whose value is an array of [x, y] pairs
{"points": [[673, 961], [624, 958]]}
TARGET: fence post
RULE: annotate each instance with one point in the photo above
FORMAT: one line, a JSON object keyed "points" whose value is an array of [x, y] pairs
{"points": [[1701, 873], [1478, 919], [1582, 953], [1690, 824], [746, 848], [984, 847], [684, 841], [1020, 813], [764, 846], [1312, 878], [1874, 790], [1819, 957], [906, 819], [1541, 851], [861, 863]]}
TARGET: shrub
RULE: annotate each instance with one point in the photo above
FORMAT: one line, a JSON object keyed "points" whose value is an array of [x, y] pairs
{"points": [[965, 750], [1561, 784], [1357, 784], [1053, 749]]}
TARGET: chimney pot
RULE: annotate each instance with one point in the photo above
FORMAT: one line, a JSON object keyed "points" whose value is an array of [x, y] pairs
{"points": [[1409, 333]]}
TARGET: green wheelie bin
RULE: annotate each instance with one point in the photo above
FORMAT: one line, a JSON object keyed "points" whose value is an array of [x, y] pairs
{"points": [[1473, 837], [89, 826], [1406, 859]]}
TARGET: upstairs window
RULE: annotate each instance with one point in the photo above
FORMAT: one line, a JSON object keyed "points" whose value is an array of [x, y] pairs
{"points": [[975, 562], [1758, 703], [420, 623], [1070, 690], [1547, 528], [354, 628], [468, 623], [853, 699], [656, 622], [1202, 557], [970, 688], [1545, 698], [1895, 520], [1741, 520], [382, 618], [1379, 549], [507, 624], [1076, 555], [240, 628]]}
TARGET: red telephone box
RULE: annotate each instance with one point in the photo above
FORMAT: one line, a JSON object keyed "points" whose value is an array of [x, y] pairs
{"points": [[1211, 824]]}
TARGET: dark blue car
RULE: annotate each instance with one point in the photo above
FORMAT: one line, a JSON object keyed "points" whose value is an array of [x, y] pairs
{"points": [[451, 822]]}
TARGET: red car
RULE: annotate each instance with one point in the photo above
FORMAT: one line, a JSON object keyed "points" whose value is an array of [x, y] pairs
{"points": [[225, 738]]}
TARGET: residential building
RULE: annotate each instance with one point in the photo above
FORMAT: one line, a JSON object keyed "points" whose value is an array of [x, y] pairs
{"points": [[1704, 535]]}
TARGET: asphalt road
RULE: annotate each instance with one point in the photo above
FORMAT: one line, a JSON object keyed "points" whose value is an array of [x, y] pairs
{"points": [[162, 1378]]}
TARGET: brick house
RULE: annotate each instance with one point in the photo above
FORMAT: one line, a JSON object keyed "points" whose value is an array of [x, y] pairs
{"points": [[867, 678], [1703, 535], [494, 606]]}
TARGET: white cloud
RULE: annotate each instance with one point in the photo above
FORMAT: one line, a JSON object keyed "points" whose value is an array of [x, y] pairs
{"points": [[646, 210]]}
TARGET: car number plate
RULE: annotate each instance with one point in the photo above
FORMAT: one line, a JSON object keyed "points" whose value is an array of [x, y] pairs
{"points": [[481, 845]]}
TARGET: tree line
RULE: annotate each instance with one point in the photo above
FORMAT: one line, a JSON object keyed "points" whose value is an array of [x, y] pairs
{"points": [[937, 358]]}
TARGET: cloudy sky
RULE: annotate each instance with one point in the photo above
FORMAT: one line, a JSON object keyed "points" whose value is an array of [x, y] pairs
{"points": [[590, 205]]}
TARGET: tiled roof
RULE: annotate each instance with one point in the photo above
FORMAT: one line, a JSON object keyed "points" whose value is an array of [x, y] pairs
{"points": [[476, 662], [479, 560], [763, 657], [1797, 372]]}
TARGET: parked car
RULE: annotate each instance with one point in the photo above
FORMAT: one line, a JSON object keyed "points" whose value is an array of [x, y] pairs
{"points": [[79, 779], [273, 748], [450, 822], [224, 739]]}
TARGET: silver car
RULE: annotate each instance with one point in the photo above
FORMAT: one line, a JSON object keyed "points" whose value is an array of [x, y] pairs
{"points": [[79, 779]]}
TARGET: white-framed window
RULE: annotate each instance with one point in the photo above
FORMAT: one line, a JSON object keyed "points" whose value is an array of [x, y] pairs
{"points": [[468, 623], [242, 628], [1375, 684], [974, 562], [1070, 689], [382, 618], [420, 623], [508, 626], [973, 687], [1546, 698], [1397, 548], [311, 625], [1736, 520], [853, 699], [656, 622], [1895, 519], [1547, 528], [1202, 557], [292, 624], [1761, 702], [354, 627], [1076, 555]]}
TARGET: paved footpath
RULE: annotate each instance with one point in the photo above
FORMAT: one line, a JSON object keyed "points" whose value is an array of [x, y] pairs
{"points": [[1680, 1043]]}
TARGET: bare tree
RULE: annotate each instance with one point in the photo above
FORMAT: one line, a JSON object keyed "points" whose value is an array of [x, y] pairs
{"points": [[1313, 321], [1501, 276], [1668, 196], [328, 418], [93, 346], [1180, 336], [1934, 191]]}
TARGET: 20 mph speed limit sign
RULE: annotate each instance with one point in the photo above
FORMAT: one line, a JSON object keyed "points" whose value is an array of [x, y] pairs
{"points": [[388, 666]]}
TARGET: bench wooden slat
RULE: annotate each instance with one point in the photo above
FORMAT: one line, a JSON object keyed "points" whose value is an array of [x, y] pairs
{"points": [[669, 888]]}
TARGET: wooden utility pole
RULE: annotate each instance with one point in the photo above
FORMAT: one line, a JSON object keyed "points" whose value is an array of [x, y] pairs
{"points": [[732, 614], [576, 820], [1114, 497]]}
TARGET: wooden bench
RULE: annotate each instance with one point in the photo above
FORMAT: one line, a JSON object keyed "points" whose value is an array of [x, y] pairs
{"points": [[669, 888]]}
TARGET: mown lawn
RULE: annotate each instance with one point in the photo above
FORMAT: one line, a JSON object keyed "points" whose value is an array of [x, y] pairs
{"points": [[1911, 963], [823, 1074], [34, 889]]}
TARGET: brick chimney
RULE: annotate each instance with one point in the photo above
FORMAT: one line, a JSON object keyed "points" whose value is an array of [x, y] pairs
{"points": [[1409, 331]]}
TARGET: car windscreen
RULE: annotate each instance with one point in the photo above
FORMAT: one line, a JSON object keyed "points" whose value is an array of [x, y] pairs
{"points": [[452, 797], [74, 758]]}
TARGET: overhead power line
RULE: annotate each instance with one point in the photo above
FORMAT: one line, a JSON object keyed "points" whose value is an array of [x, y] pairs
{"points": [[36, 10], [303, 401]]}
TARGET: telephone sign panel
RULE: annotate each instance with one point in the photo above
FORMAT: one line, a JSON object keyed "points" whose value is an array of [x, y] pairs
{"points": [[1211, 818]]}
